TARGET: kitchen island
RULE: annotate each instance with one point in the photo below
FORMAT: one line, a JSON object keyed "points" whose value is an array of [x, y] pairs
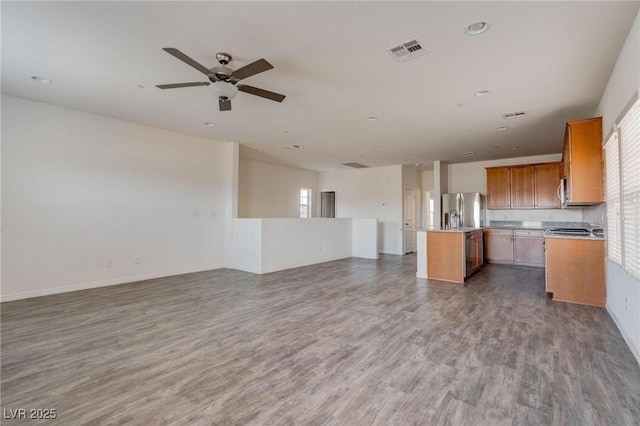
{"points": [[449, 254]]}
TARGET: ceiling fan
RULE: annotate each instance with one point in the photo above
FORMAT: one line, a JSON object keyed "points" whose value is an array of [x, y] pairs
{"points": [[224, 80]]}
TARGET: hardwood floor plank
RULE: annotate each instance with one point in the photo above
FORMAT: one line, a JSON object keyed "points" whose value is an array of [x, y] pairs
{"points": [[353, 342]]}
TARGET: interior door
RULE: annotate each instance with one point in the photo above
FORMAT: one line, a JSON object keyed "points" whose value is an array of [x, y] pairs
{"points": [[409, 220], [328, 204]]}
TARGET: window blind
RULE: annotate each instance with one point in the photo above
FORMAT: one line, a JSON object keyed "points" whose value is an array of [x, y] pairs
{"points": [[629, 134], [612, 188]]}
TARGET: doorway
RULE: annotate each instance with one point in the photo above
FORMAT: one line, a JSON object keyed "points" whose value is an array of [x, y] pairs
{"points": [[328, 204], [410, 204]]}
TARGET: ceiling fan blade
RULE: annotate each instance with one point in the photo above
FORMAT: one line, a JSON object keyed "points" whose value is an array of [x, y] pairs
{"points": [[176, 85], [261, 65], [187, 60], [261, 92], [224, 105]]}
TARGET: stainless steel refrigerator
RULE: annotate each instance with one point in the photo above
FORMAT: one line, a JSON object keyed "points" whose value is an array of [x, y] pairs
{"points": [[463, 209]]}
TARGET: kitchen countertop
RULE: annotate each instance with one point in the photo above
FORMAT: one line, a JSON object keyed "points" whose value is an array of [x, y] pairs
{"points": [[544, 226], [464, 229], [526, 225], [548, 234]]}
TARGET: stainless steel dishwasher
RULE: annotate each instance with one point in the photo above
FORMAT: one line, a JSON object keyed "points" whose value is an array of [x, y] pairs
{"points": [[473, 251]]}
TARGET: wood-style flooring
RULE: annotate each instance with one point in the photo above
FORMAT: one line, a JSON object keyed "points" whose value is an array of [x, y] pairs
{"points": [[350, 342]]}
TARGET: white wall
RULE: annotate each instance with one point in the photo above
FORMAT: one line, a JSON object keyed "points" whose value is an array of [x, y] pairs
{"points": [[374, 192], [290, 243], [364, 238], [411, 177], [246, 245], [80, 189], [427, 180], [269, 190], [472, 177], [624, 81], [268, 245]]}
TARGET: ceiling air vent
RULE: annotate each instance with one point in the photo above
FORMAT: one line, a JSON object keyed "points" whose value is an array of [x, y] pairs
{"points": [[355, 165], [407, 50], [510, 115]]}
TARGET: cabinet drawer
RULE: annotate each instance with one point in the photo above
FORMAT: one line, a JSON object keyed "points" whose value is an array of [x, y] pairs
{"points": [[499, 232], [530, 233]]}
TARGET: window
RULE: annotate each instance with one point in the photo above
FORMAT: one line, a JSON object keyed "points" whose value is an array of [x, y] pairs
{"points": [[612, 187], [629, 134], [305, 202]]}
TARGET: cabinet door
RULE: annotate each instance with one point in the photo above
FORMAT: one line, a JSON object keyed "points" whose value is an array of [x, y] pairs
{"points": [[522, 196], [583, 156], [547, 181], [498, 246], [575, 271], [445, 256], [499, 188], [478, 252], [528, 251]]}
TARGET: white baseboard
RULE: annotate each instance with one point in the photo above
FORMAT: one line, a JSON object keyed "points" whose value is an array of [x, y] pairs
{"points": [[635, 351], [102, 283]]}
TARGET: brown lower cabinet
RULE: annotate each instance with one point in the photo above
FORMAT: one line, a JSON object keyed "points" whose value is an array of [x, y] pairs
{"points": [[445, 256], [575, 271], [522, 247]]}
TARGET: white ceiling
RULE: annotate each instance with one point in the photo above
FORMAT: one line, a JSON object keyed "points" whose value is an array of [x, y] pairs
{"points": [[551, 59]]}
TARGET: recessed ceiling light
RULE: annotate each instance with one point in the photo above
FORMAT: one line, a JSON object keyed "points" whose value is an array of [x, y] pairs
{"points": [[460, 105], [477, 28], [377, 148], [468, 154], [372, 118], [41, 79], [286, 131], [481, 93], [496, 147], [418, 164], [209, 124], [140, 86], [502, 128], [513, 148]]}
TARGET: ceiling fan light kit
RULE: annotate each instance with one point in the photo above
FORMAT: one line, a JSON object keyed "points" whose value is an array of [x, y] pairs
{"points": [[223, 80], [224, 90]]}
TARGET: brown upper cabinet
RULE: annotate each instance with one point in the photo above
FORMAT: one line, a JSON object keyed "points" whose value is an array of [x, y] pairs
{"points": [[527, 186], [499, 188], [582, 162], [522, 187], [547, 180]]}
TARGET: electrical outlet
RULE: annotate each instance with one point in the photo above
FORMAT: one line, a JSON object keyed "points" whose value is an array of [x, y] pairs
{"points": [[136, 260], [213, 213], [626, 303], [108, 264], [195, 213]]}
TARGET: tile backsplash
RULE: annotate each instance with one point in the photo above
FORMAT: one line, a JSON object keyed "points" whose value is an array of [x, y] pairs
{"points": [[595, 214], [551, 215]]}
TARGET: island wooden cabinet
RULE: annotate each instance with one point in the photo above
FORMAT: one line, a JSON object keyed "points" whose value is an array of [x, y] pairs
{"points": [[582, 162], [514, 247], [445, 256], [499, 188], [575, 271], [527, 186]]}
